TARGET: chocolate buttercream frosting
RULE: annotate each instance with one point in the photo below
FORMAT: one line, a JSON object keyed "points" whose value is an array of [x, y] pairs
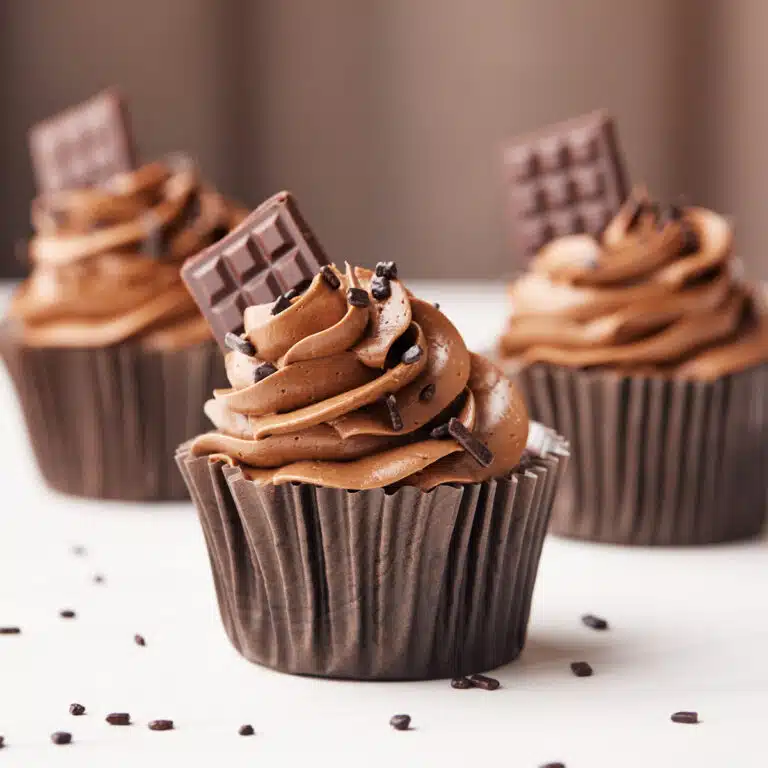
{"points": [[105, 260], [344, 392], [658, 292]]}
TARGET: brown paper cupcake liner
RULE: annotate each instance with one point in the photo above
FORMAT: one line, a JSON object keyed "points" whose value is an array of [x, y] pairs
{"points": [[657, 460], [375, 584], [105, 422]]}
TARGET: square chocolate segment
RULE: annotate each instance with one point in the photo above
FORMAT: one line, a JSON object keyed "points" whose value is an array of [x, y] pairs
{"points": [[270, 252], [83, 146], [564, 179]]}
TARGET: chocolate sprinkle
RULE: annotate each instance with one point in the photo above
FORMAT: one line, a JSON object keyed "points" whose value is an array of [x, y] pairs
{"points": [[581, 669], [412, 355], [427, 393], [689, 718], [118, 718], [76, 709], [386, 269], [98, 578], [400, 722], [61, 737], [245, 730], [292, 294], [484, 682], [594, 622], [436, 305], [330, 277], [455, 429], [2, 741], [380, 288], [160, 725], [357, 297], [238, 344], [461, 683], [10, 630], [262, 371], [139, 640], [78, 550], [280, 305], [394, 413], [553, 765], [67, 613]]}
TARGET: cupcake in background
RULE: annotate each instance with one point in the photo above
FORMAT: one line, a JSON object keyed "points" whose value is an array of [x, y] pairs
{"points": [[644, 346], [109, 355], [373, 497]]}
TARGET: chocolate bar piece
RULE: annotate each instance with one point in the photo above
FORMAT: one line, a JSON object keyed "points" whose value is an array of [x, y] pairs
{"points": [[564, 179], [270, 252], [83, 146]]}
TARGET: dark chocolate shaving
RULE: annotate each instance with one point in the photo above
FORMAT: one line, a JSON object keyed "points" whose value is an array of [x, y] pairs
{"points": [[10, 630], [118, 718], [380, 288], [594, 622], [262, 371], [427, 393], [76, 710], [357, 297], [386, 269], [280, 305], [485, 682], [160, 725], [292, 294], [689, 718], [245, 730], [394, 413], [581, 669], [412, 355], [239, 344], [330, 277], [455, 429]]}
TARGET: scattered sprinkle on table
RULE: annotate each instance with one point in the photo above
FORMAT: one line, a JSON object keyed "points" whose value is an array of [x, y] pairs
{"points": [[10, 630], [139, 640], [553, 765], [581, 669], [594, 622], [484, 682], [76, 709], [61, 737], [2, 741], [160, 725], [118, 718], [689, 718], [461, 683], [79, 550], [400, 722], [67, 613], [245, 730], [98, 578]]}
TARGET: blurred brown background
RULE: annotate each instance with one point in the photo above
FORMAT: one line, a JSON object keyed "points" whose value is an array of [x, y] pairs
{"points": [[385, 117]]}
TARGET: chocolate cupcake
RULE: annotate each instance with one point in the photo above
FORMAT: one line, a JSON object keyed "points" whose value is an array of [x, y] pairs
{"points": [[369, 504], [650, 353], [109, 355]]}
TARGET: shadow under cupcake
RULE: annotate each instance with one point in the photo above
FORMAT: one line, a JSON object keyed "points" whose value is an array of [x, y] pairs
{"points": [[373, 501]]}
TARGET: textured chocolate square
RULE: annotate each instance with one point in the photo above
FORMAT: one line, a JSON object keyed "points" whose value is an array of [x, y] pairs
{"points": [[83, 146], [270, 252], [565, 179]]}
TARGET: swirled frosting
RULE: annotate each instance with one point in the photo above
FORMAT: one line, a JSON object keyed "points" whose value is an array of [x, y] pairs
{"points": [[314, 389], [659, 292], [105, 260]]}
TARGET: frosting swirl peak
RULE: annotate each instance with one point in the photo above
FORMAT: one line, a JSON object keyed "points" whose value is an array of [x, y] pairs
{"points": [[343, 385]]}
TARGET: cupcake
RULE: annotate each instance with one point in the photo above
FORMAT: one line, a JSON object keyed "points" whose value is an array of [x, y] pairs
{"points": [[108, 353], [373, 497], [647, 349]]}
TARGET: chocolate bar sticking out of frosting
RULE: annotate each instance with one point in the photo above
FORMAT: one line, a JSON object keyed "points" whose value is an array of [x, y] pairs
{"points": [[271, 251], [565, 179], [83, 146]]}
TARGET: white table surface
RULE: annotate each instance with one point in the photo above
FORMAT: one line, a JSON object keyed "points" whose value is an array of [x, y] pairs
{"points": [[689, 631]]}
